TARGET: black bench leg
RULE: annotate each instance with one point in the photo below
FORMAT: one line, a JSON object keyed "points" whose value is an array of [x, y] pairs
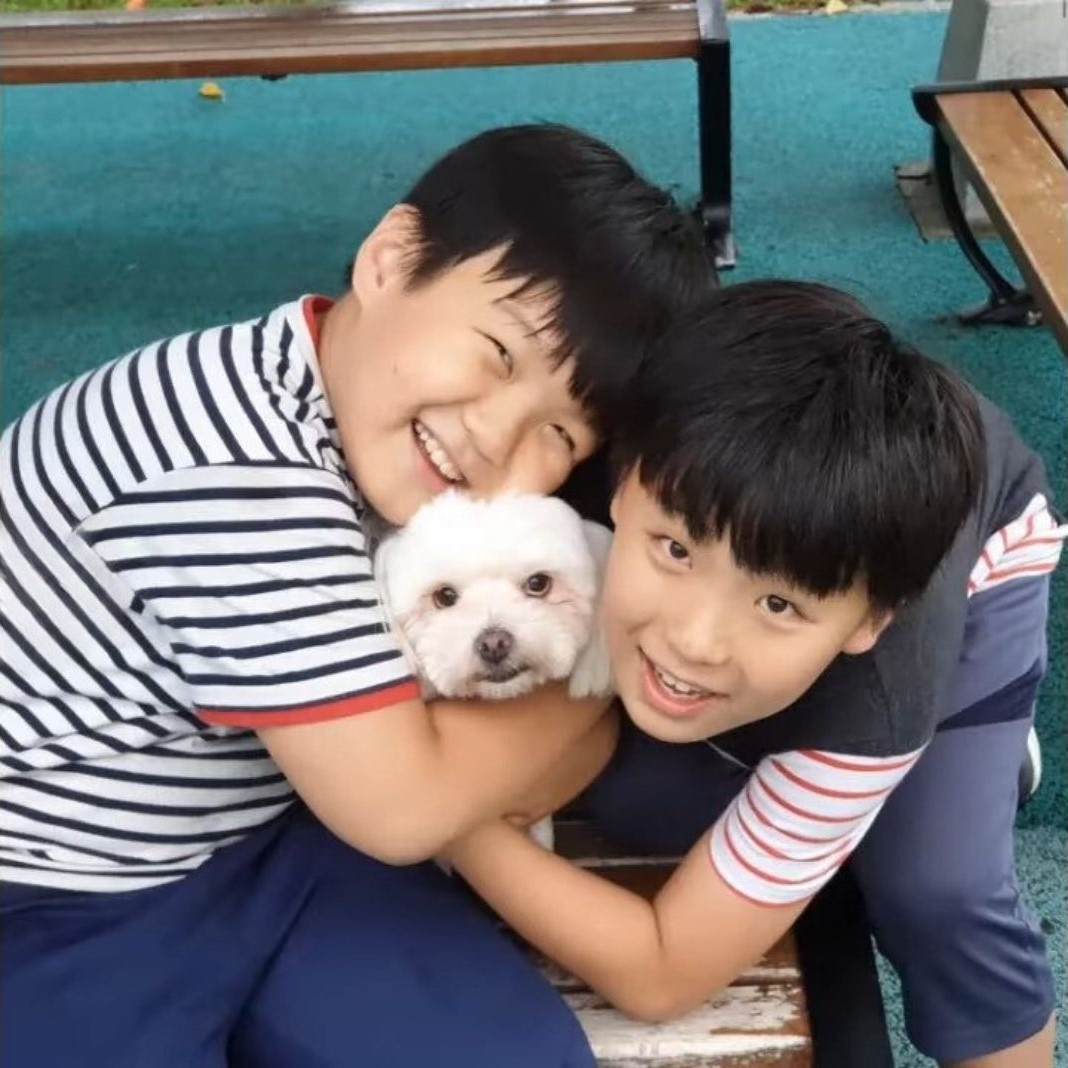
{"points": [[1007, 303], [714, 117], [845, 1004]]}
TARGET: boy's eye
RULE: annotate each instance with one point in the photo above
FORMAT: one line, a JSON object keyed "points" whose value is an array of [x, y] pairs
{"points": [[444, 597], [505, 356], [675, 550], [567, 439], [779, 606], [538, 584]]}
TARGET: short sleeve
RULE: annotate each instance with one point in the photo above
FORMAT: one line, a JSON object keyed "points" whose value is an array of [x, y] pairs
{"points": [[1029, 546], [799, 817], [258, 579]]}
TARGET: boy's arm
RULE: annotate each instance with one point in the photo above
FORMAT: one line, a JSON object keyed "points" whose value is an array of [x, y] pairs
{"points": [[401, 782], [740, 888], [653, 960], [256, 579]]}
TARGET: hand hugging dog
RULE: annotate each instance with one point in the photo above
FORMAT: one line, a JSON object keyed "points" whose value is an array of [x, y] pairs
{"points": [[492, 598]]}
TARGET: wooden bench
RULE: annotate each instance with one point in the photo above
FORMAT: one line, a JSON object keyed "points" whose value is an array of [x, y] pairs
{"points": [[1010, 139], [760, 1020], [813, 1001], [358, 35]]}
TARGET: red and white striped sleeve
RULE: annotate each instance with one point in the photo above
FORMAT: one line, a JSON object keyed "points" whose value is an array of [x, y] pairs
{"points": [[798, 818], [802, 813], [1029, 545]]}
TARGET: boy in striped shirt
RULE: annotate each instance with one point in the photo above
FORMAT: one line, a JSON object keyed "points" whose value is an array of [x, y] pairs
{"points": [[192, 638], [826, 606]]}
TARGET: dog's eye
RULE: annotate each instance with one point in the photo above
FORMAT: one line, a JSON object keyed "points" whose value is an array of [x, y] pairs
{"points": [[538, 584], [445, 597]]}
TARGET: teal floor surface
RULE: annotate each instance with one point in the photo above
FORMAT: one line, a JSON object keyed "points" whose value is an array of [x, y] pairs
{"points": [[132, 211]]}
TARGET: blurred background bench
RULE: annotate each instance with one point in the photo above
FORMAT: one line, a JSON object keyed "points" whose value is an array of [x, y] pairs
{"points": [[86, 46], [1010, 137]]}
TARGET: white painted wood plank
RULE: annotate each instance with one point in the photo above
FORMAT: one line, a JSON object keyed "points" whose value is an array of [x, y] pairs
{"points": [[741, 1020]]}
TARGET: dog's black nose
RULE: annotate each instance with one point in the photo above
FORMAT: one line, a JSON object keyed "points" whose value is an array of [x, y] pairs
{"points": [[494, 644]]}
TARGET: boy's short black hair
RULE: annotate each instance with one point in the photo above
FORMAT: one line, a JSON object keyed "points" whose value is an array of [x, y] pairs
{"points": [[785, 414], [617, 257]]}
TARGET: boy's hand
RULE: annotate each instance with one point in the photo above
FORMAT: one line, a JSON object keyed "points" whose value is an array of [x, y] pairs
{"points": [[577, 767]]}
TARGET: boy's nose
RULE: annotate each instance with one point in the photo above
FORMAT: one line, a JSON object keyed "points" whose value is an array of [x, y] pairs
{"points": [[699, 638], [494, 644], [495, 427]]}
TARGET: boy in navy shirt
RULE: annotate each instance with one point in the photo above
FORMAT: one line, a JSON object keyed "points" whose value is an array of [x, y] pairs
{"points": [[826, 605]]}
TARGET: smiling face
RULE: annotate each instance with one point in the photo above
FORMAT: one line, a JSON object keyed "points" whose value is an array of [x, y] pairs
{"points": [[700, 645], [450, 383]]}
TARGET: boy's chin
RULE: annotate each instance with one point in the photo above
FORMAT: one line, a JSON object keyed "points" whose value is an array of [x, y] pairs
{"points": [[670, 729]]}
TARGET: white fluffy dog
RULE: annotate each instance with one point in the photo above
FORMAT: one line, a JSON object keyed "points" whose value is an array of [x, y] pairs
{"points": [[492, 598]]}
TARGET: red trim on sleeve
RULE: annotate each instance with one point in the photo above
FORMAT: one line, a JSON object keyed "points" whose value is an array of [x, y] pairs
{"points": [[314, 306], [748, 897], [285, 717], [1023, 569], [848, 765], [775, 852], [803, 812], [769, 823], [779, 880], [813, 788]]}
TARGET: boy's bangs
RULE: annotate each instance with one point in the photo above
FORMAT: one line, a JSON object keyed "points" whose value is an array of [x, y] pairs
{"points": [[574, 320], [776, 525], [617, 257]]}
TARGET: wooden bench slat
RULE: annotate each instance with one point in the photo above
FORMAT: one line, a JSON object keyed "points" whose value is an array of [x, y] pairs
{"points": [[92, 46], [744, 1024], [761, 1019], [778, 967], [1049, 111], [1022, 183]]}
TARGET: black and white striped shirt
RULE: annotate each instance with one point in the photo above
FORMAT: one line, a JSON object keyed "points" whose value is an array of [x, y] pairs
{"points": [[181, 561]]}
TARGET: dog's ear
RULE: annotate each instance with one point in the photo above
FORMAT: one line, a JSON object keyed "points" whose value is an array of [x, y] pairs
{"points": [[592, 676], [599, 539], [385, 552], [380, 568], [383, 560]]}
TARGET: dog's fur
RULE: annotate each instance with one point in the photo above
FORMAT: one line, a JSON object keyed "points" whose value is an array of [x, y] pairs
{"points": [[493, 636], [485, 551]]}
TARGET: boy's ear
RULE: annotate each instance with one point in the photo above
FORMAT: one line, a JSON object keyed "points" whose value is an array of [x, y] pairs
{"points": [[382, 260], [868, 633]]}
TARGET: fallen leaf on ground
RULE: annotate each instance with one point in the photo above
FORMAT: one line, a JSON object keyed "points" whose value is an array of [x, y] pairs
{"points": [[835, 7], [211, 91], [134, 5]]}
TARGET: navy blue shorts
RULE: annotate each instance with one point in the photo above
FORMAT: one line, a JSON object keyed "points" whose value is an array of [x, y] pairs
{"points": [[288, 949], [937, 868]]}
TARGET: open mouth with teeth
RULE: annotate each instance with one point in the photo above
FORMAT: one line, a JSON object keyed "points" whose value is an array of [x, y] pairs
{"points": [[435, 455], [669, 693]]}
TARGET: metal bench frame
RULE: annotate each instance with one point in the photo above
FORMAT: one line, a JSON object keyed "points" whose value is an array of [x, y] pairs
{"points": [[1007, 302]]}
